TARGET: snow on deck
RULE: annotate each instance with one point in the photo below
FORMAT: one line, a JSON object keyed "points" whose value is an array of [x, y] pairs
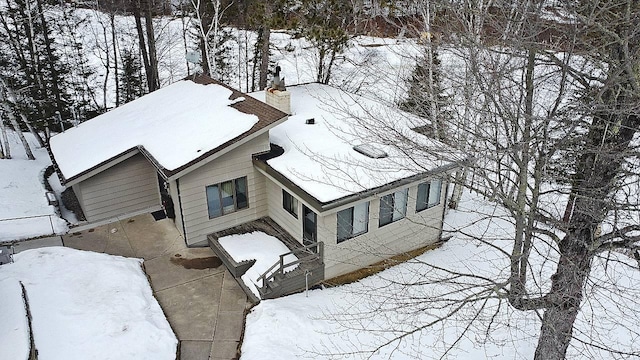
{"points": [[14, 327], [320, 158], [86, 305], [175, 124], [263, 248]]}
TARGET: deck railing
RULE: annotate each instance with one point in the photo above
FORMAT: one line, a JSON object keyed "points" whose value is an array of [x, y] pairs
{"points": [[279, 268]]}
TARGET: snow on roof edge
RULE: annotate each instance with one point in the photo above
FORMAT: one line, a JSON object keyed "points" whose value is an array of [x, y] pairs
{"points": [[263, 115]]}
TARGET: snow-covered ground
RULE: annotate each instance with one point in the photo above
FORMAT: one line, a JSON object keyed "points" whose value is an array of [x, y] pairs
{"points": [[14, 327], [86, 305], [263, 248], [370, 66], [25, 211], [354, 320]]}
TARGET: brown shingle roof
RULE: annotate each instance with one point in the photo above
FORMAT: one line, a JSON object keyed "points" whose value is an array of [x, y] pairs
{"points": [[267, 117]]}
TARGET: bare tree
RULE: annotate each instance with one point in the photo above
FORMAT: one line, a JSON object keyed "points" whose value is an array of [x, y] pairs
{"points": [[6, 97], [151, 43], [208, 19], [4, 144], [557, 99]]}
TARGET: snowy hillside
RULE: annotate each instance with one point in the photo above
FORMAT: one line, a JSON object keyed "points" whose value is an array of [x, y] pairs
{"points": [[410, 311]]}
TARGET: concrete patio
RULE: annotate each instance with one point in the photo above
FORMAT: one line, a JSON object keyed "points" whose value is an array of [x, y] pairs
{"points": [[202, 301]]}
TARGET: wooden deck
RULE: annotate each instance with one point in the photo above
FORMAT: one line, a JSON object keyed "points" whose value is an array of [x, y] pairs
{"points": [[278, 281]]}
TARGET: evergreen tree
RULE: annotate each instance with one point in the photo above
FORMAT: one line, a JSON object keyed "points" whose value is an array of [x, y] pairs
{"points": [[131, 80], [32, 64], [325, 23], [423, 90]]}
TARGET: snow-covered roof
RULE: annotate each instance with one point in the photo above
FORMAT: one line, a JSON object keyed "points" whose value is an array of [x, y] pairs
{"points": [[175, 125], [321, 159]]}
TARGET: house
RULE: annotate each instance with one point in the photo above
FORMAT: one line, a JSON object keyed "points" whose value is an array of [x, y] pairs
{"points": [[312, 158]]}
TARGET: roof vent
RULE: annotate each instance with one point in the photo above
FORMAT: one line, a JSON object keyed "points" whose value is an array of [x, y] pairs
{"points": [[310, 121], [370, 151]]}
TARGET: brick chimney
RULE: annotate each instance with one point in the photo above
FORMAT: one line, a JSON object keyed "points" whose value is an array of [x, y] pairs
{"points": [[280, 100], [277, 95]]}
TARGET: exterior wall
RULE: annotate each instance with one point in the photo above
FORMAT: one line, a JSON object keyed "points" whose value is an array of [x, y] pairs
{"points": [[379, 243], [281, 216], [126, 187], [175, 197], [234, 164]]}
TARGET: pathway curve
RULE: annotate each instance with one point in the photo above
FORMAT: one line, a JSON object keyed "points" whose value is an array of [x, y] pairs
{"points": [[202, 301]]}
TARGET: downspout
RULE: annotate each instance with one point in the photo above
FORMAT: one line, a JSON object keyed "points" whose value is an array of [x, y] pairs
{"points": [[444, 210], [184, 229]]}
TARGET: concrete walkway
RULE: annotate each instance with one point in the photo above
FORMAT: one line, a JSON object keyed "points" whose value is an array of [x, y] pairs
{"points": [[202, 301]]}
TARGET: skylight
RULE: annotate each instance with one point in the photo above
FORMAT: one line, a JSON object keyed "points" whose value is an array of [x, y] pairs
{"points": [[371, 151]]}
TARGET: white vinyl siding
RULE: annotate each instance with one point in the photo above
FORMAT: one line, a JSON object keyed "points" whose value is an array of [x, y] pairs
{"points": [[379, 242], [277, 212], [232, 165], [124, 188]]}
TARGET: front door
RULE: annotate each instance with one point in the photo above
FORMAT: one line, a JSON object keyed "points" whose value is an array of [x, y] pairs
{"points": [[309, 227]]}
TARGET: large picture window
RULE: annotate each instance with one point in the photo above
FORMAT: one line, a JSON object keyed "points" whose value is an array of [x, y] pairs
{"points": [[290, 203], [393, 207], [428, 194], [227, 197], [353, 221]]}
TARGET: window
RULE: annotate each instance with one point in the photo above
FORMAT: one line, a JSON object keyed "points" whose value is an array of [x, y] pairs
{"points": [[428, 194], [353, 221], [290, 203], [227, 197], [393, 207]]}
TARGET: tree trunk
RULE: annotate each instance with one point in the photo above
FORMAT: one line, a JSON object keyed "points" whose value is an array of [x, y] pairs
{"points": [[185, 43], [52, 66], [264, 57], [332, 59], [32, 130], [35, 61], [593, 186], [105, 82], [458, 186], [142, 44], [16, 127], [5, 141], [114, 42], [321, 56], [151, 42], [205, 57], [565, 296]]}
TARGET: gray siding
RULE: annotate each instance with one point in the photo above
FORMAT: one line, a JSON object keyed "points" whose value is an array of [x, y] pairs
{"points": [[378, 243], [129, 186], [234, 164]]}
